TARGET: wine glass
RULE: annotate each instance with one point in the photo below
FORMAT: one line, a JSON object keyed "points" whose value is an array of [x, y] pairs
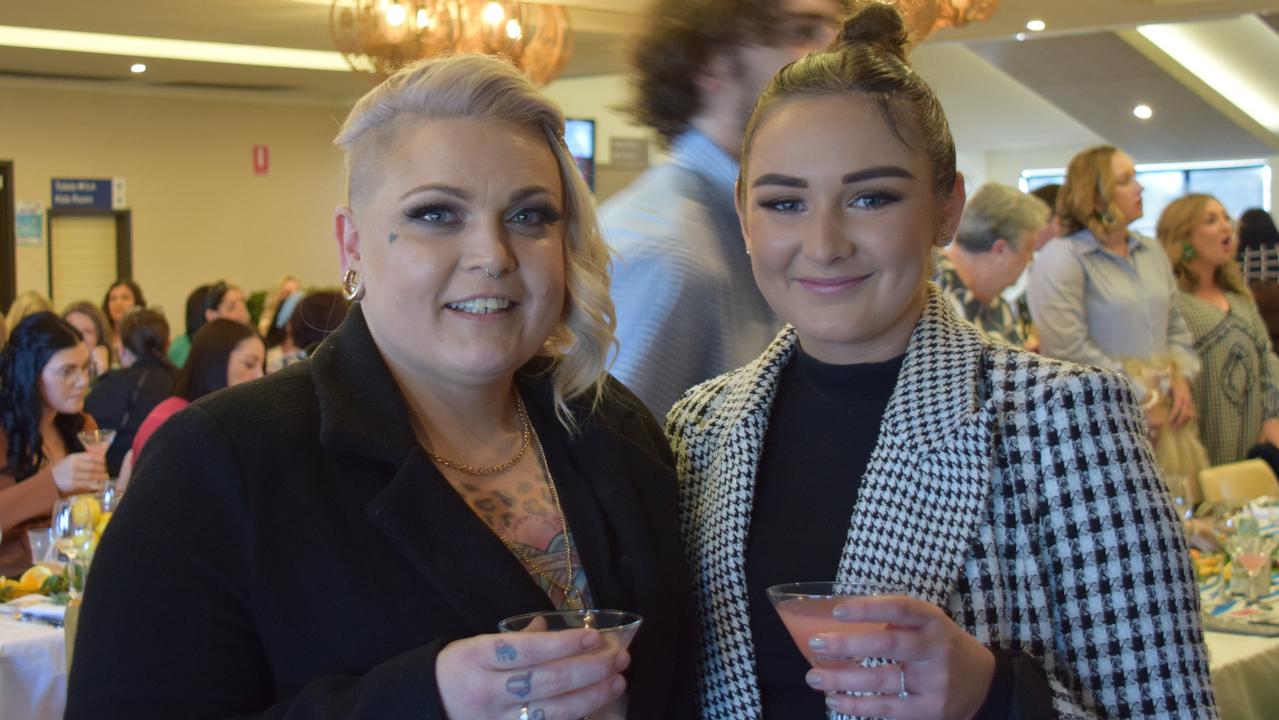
{"points": [[805, 609], [72, 526], [616, 627], [1253, 552]]}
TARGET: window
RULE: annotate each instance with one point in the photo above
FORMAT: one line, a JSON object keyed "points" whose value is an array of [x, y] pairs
{"points": [[1238, 184]]}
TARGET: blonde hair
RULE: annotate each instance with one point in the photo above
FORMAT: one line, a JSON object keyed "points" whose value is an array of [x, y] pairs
{"points": [[1176, 227], [26, 303], [488, 88], [1088, 177]]}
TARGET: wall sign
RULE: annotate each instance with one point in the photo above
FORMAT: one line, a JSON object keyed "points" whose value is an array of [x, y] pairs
{"points": [[29, 218], [88, 193]]}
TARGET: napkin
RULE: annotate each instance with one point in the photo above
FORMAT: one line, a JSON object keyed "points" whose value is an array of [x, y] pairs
{"points": [[37, 606]]}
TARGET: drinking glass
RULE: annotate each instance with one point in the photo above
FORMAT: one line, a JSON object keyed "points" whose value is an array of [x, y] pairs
{"points": [[616, 627], [805, 609], [1254, 553], [72, 528], [1179, 491], [96, 441], [42, 549]]}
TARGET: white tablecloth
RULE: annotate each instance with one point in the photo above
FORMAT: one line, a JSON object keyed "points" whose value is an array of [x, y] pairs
{"points": [[1245, 675], [33, 671]]}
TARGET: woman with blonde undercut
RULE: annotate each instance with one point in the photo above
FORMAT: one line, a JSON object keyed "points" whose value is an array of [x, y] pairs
{"points": [[341, 538]]}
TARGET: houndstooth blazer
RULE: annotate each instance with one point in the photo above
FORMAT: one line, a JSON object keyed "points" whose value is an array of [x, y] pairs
{"points": [[1017, 493]]}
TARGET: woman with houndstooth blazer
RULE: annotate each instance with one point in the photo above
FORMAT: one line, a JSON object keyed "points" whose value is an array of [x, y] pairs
{"points": [[1011, 502]]}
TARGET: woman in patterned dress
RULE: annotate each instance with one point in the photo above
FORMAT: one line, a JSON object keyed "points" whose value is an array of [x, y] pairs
{"points": [[1237, 391], [1010, 503]]}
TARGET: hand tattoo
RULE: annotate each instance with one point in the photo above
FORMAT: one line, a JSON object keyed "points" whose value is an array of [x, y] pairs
{"points": [[506, 653], [538, 714], [520, 685], [391, 238]]}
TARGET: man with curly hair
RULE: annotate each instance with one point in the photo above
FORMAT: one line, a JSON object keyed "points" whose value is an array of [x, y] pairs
{"points": [[687, 305]]}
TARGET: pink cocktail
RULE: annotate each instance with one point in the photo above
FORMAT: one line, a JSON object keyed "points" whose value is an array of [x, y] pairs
{"points": [[806, 610], [1253, 562]]}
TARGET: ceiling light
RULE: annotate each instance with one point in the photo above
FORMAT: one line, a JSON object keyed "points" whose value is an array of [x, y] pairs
{"points": [[1143, 111], [1231, 79], [535, 35], [137, 68], [150, 47], [1036, 25], [1021, 37]]}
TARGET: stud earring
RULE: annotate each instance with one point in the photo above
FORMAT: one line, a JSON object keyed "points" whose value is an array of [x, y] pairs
{"points": [[352, 285], [944, 239]]}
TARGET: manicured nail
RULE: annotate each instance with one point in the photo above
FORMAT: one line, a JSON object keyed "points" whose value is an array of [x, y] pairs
{"points": [[591, 639], [840, 612], [813, 679], [817, 642], [832, 702]]}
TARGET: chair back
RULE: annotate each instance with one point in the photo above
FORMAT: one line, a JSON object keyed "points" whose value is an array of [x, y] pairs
{"points": [[1238, 482]]}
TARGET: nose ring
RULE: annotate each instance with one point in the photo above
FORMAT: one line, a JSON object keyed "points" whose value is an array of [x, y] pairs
{"points": [[493, 275]]}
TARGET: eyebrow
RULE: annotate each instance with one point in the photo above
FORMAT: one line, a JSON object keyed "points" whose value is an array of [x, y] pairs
{"points": [[456, 192], [531, 190], [853, 177]]}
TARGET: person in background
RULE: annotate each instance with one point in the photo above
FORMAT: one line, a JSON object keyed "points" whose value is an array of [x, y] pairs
{"points": [[1048, 194], [1104, 296], [123, 398], [225, 353], [195, 319], [315, 316], [470, 371], [44, 375], [687, 309], [1257, 230], [272, 322], [26, 303], [1237, 393], [92, 324], [121, 297], [224, 300], [994, 244], [1008, 506]]}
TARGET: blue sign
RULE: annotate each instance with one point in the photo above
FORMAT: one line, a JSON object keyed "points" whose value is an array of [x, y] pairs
{"points": [[83, 193]]}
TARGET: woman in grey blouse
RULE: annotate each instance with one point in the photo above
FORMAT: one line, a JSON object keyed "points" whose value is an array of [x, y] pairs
{"points": [[1105, 296]]}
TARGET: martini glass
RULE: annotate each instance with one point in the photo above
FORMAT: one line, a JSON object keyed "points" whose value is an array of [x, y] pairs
{"points": [[616, 627], [1254, 553], [805, 609], [96, 441]]}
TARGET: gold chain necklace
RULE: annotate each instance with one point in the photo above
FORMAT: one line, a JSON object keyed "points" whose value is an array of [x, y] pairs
{"points": [[572, 598], [525, 432]]}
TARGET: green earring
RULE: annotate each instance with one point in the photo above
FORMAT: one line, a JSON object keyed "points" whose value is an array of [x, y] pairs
{"points": [[1188, 252]]}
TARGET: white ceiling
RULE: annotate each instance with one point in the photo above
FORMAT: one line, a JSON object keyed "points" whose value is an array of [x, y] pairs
{"points": [[990, 108]]}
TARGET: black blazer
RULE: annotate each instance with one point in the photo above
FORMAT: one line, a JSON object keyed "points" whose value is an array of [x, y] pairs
{"points": [[123, 398], [287, 549]]}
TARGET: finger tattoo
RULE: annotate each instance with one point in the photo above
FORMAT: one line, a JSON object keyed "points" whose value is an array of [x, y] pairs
{"points": [[520, 685], [506, 653]]}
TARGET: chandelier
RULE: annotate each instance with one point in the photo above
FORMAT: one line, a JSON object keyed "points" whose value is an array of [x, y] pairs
{"points": [[923, 17], [381, 36]]}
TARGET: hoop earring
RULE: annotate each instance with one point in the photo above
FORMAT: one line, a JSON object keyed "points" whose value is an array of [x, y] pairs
{"points": [[352, 286]]}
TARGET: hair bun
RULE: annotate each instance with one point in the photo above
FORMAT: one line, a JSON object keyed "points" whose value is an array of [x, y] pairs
{"points": [[878, 23]]}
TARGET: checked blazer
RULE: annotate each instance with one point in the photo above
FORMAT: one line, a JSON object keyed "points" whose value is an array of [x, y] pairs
{"points": [[1017, 493]]}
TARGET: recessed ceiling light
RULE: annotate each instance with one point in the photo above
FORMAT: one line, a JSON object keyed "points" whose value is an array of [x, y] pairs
{"points": [[137, 68], [1021, 37], [1143, 111], [1036, 25]]}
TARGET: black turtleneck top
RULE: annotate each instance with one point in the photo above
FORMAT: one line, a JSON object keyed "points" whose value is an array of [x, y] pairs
{"points": [[822, 429]]}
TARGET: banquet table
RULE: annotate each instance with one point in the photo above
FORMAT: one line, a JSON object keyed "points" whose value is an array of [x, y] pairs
{"points": [[33, 670], [33, 675]]}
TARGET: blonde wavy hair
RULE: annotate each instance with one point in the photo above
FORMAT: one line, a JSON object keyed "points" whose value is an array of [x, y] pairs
{"points": [[1088, 178], [1176, 227], [488, 88]]}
